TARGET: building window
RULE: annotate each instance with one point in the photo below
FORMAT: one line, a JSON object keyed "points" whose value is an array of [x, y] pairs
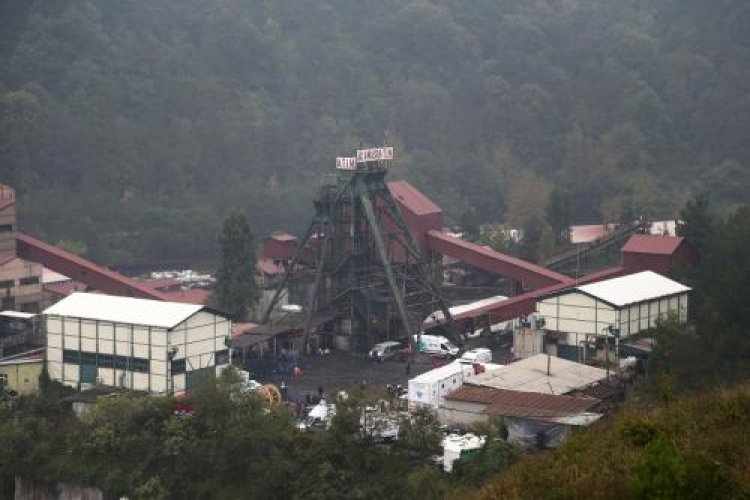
{"points": [[140, 365], [178, 366], [222, 357], [3, 380], [92, 359], [29, 280], [105, 360], [121, 362], [6, 228], [88, 358], [70, 356], [6, 284], [30, 307]]}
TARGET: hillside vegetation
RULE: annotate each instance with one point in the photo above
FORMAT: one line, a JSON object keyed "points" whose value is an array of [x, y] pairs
{"points": [[132, 128], [685, 430], [694, 446]]}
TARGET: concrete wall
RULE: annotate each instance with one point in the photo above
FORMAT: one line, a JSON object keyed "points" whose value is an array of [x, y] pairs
{"points": [[26, 490], [21, 297], [461, 413], [22, 377], [198, 339]]}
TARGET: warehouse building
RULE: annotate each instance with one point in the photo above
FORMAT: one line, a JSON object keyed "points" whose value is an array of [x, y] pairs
{"points": [[20, 373], [576, 318], [149, 345]]}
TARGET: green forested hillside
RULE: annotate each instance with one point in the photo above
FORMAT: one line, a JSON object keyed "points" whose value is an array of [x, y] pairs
{"points": [[134, 127]]}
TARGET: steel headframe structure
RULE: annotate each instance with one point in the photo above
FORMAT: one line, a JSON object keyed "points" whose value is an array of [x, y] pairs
{"points": [[358, 261]]}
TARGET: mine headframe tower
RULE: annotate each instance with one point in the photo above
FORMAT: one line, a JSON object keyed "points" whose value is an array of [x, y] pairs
{"points": [[359, 262]]}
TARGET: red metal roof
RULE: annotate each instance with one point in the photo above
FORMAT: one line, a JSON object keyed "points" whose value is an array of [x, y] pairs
{"points": [[587, 234], [6, 257], [189, 296], [159, 283], [494, 262], [532, 405], [93, 275], [281, 236], [646, 243], [242, 328], [412, 199], [6, 203], [268, 267], [65, 287], [525, 304]]}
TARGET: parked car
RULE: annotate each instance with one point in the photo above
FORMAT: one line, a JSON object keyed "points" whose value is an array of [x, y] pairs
{"points": [[478, 355], [386, 350]]}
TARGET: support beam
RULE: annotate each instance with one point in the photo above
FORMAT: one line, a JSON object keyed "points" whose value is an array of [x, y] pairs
{"points": [[395, 290]]}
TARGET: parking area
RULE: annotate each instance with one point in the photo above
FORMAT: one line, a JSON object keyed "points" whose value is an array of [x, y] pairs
{"points": [[339, 370]]}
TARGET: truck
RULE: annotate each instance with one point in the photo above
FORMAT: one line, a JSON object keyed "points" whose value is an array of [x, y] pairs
{"points": [[435, 345], [457, 446], [430, 388]]}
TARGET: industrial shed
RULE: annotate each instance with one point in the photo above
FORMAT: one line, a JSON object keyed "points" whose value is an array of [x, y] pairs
{"points": [[630, 304], [141, 344], [532, 418]]}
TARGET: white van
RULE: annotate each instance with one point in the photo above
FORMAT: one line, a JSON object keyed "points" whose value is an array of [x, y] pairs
{"points": [[435, 345], [478, 355]]}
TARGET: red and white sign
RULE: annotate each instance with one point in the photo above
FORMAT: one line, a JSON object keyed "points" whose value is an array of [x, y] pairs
{"points": [[346, 163], [374, 154]]}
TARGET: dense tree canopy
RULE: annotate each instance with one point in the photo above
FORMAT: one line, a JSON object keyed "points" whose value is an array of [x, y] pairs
{"points": [[130, 127], [236, 290]]}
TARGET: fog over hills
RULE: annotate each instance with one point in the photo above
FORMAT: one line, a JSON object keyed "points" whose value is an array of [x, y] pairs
{"points": [[132, 128]]}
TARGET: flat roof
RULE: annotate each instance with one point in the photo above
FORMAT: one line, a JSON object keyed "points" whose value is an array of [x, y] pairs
{"points": [[445, 371], [17, 314], [456, 310], [530, 375], [633, 288], [646, 243], [129, 310]]}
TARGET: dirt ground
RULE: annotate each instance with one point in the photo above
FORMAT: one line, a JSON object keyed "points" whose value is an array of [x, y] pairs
{"points": [[340, 370]]}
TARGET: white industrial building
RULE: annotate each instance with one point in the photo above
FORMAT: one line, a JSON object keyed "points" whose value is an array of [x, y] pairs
{"points": [[618, 307], [160, 347]]}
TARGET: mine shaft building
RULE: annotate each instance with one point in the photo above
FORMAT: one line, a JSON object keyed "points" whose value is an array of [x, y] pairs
{"points": [[141, 344]]}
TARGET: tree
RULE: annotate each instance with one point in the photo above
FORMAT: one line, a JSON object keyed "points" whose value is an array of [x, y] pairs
{"points": [[419, 434], [558, 212], [531, 243], [236, 290]]}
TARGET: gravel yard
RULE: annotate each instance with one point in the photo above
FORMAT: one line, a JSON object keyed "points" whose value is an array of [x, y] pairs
{"points": [[339, 370]]}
